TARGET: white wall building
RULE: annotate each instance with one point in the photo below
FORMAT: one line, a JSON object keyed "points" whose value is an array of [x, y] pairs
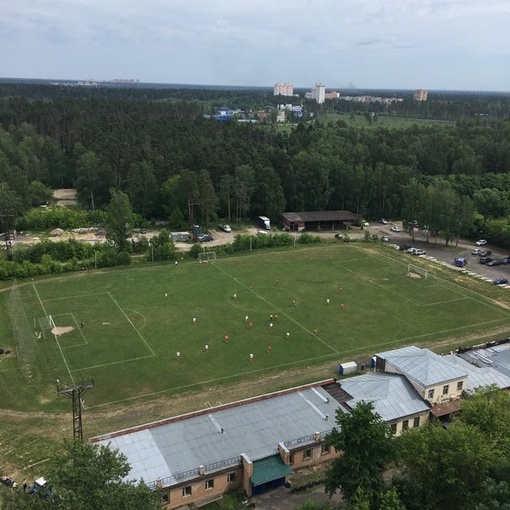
{"points": [[283, 89]]}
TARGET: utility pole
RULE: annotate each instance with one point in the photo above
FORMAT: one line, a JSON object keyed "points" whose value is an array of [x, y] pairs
{"points": [[75, 392]]}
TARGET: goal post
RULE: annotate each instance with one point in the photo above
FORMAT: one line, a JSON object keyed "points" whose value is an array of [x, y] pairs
{"points": [[206, 256], [416, 271]]}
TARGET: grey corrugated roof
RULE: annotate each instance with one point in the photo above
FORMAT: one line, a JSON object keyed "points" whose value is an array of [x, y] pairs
{"points": [[254, 428], [479, 375], [392, 395], [321, 216], [422, 366]]}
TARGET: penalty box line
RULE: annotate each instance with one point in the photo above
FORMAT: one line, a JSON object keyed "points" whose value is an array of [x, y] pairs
{"points": [[262, 298]]}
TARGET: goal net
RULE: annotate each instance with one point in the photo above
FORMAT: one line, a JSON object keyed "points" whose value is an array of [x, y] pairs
{"points": [[206, 256], [416, 271]]}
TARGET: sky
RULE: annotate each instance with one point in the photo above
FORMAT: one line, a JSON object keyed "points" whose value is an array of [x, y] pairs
{"points": [[377, 44]]}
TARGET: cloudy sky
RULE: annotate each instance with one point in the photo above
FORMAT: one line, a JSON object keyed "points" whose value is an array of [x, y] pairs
{"points": [[402, 44]]}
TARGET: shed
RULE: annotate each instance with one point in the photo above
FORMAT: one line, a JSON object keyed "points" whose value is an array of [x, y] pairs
{"points": [[347, 368], [318, 220], [179, 237]]}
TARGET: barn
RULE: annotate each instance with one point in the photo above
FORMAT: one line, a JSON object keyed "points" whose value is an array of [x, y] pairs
{"points": [[319, 220]]}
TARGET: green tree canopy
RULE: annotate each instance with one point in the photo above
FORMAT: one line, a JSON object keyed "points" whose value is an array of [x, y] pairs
{"points": [[118, 219], [368, 448]]}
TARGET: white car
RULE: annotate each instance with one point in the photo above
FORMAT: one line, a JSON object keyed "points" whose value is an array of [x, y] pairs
{"points": [[481, 242], [226, 228], [396, 229], [416, 251]]}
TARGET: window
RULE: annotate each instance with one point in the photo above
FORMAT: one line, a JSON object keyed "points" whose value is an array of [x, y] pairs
{"points": [[209, 484], [166, 497], [307, 454], [393, 428], [325, 449], [405, 424], [231, 477], [431, 394], [459, 385], [416, 422], [186, 491], [445, 389]]}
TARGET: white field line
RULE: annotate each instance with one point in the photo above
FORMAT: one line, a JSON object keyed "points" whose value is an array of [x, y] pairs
{"points": [[56, 339], [209, 381], [134, 327], [276, 308]]}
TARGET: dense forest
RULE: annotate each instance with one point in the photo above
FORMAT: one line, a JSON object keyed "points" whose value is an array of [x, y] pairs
{"points": [[156, 147]]}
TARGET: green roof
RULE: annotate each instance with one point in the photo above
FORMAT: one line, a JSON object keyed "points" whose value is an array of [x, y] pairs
{"points": [[268, 469]]}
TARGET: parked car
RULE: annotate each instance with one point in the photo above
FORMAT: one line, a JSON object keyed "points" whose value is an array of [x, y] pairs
{"points": [[225, 227], [383, 221], [481, 242], [404, 247], [500, 281], [395, 229], [485, 260], [484, 253], [204, 238], [506, 261], [476, 251], [339, 236], [494, 263], [385, 239], [460, 262], [416, 251]]}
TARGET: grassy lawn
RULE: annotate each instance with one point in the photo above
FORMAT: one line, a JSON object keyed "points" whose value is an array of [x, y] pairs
{"points": [[118, 327]]}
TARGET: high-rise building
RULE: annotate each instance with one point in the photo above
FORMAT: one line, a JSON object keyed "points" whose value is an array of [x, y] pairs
{"points": [[420, 95], [319, 92], [283, 89]]}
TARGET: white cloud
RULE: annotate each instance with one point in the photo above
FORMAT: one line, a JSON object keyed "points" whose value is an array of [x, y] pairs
{"points": [[405, 43]]}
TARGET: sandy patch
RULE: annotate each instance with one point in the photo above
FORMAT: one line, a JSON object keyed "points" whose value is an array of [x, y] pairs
{"points": [[62, 330]]}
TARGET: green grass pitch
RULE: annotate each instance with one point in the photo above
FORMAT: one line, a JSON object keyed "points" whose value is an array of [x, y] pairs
{"points": [[121, 330]]}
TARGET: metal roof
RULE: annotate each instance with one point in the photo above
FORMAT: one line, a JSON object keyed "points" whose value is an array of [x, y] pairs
{"points": [[174, 449], [479, 375], [392, 395], [314, 216], [422, 366]]}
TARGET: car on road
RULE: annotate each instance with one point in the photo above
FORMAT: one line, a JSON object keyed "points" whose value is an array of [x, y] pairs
{"points": [[485, 260], [404, 247], [204, 238], [416, 251], [500, 281], [385, 239], [476, 251], [481, 242], [494, 263], [484, 253], [395, 229], [339, 236], [225, 227], [383, 221]]}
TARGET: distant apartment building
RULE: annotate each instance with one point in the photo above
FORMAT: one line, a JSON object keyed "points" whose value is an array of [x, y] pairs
{"points": [[318, 93], [332, 95], [283, 89], [420, 95]]}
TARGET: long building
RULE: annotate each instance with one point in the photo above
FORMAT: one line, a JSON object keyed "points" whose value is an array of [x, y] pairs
{"points": [[257, 443]]}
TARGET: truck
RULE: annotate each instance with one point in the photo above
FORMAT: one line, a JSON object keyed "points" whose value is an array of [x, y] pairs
{"points": [[264, 222]]}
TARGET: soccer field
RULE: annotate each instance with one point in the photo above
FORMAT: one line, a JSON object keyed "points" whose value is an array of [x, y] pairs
{"points": [[124, 328]]}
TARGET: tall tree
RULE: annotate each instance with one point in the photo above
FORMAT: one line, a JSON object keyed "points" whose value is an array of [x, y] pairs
{"points": [[442, 468], [244, 185], [368, 447], [207, 193], [226, 191], [118, 219]]}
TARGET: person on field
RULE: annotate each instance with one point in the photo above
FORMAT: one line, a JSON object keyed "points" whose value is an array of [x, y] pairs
{"points": [[177, 355], [251, 357]]}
